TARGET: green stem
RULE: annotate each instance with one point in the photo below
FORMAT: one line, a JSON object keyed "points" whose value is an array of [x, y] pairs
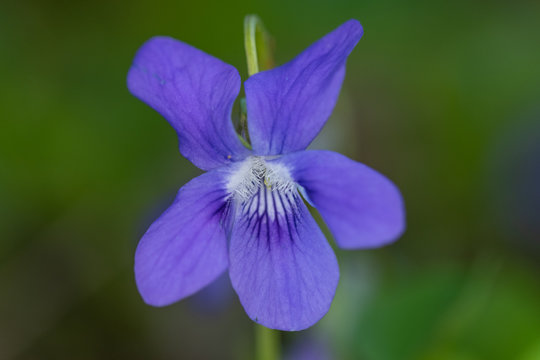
{"points": [[258, 45], [267, 343]]}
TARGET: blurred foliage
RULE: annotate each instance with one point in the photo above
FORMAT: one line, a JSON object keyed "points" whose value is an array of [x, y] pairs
{"points": [[431, 93]]}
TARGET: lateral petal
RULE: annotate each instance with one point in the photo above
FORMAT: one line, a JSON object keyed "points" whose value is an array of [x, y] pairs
{"points": [[186, 247], [362, 208]]}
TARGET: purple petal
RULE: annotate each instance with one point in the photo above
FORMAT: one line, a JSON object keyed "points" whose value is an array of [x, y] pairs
{"points": [[362, 208], [288, 106], [281, 266], [195, 93], [186, 247]]}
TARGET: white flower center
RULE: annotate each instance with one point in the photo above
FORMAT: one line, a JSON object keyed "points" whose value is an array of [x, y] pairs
{"points": [[254, 174], [262, 187]]}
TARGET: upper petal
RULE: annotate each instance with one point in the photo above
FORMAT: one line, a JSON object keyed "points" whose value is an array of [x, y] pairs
{"points": [[186, 247], [195, 93], [362, 208], [288, 106], [281, 266]]}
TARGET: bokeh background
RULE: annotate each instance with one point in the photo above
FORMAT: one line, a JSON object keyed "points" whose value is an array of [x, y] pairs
{"points": [[441, 96]]}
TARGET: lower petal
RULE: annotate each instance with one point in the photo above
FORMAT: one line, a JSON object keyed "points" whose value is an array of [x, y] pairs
{"points": [[281, 266], [185, 248]]}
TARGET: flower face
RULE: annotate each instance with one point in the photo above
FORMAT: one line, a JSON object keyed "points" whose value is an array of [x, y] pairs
{"points": [[246, 213]]}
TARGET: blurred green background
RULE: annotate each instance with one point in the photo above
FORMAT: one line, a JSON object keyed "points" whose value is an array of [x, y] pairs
{"points": [[441, 96]]}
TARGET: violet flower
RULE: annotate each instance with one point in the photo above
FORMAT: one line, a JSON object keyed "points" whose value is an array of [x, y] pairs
{"points": [[246, 213]]}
